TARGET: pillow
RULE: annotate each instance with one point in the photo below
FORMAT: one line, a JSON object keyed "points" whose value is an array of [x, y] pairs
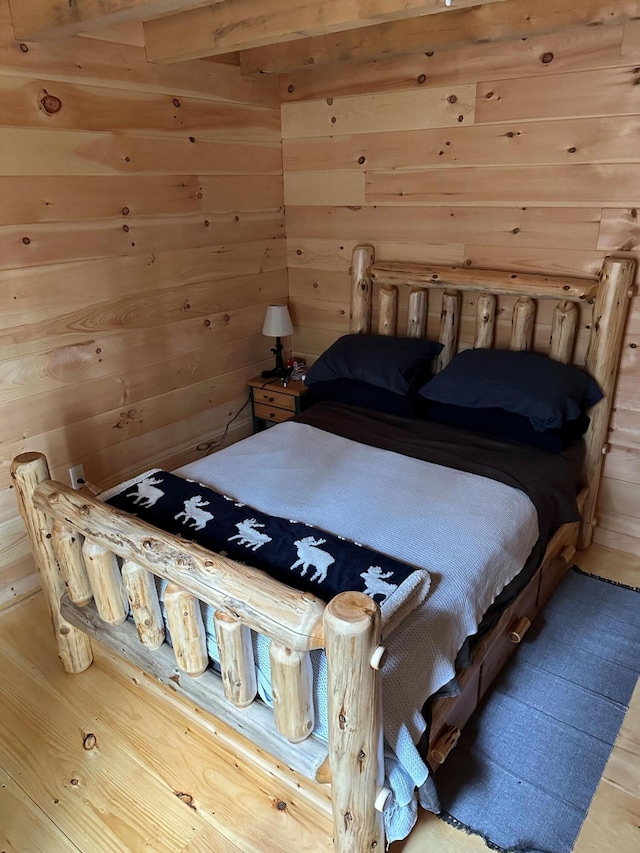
{"points": [[362, 394], [507, 425], [530, 384], [391, 363]]}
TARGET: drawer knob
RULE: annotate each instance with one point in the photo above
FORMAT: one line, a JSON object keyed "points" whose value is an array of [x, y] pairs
{"points": [[566, 555], [445, 743], [272, 414], [518, 629], [271, 399]]}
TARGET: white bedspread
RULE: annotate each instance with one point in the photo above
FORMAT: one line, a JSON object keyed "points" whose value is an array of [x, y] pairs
{"points": [[471, 533]]}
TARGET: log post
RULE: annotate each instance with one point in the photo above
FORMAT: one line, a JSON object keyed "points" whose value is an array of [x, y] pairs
{"points": [[563, 331], [485, 321], [106, 583], [387, 318], [352, 632], [237, 664], [74, 647], [141, 591], [187, 630], [67, 545], [603, 355], [522, 324], [292, 684], [449, 325], [361, 290], [417, 317]]}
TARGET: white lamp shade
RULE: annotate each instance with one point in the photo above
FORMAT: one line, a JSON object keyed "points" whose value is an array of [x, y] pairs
{"points": [[277, 322]]}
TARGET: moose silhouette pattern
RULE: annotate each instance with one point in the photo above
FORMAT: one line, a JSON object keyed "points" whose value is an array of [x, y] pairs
{"points": [[194, 513], [295, 552], [146, 492], [310, 555], [375, 583], [249, 535]]}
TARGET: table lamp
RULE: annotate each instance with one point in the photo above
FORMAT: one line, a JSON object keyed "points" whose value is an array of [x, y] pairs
{"points": [[277, 324]]}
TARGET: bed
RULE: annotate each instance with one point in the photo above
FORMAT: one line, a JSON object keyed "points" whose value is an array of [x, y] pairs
{"points": [[100, 565]]}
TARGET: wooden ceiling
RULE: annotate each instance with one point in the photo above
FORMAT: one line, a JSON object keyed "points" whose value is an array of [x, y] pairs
{"points": [[273, 36]]}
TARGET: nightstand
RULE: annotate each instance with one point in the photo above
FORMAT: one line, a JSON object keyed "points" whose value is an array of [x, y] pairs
{"points": [[272, 402]]}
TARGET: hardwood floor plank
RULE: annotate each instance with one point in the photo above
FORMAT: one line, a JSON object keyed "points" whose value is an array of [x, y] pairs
{"points": [[25, 827], [180, 758]]}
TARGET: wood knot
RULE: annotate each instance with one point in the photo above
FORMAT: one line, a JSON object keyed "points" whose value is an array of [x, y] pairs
{"points": [[546, 58], [281, 805], [50, 104], [89, 741], [187, 799], [422, 79]]}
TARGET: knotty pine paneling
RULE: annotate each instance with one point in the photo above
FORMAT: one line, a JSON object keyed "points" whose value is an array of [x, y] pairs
{"points": [[141, 238], [541, 175]]}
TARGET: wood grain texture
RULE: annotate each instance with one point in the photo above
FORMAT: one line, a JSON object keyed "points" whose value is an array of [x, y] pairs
{"points": [[438, 107], [246, 23], [562, 51], [516, 20], [109, 260]]}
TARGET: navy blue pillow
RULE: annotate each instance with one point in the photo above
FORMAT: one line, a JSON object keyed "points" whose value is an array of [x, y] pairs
{"points": [[388, 362], [362, 394], [530, 384], [503, 424]]}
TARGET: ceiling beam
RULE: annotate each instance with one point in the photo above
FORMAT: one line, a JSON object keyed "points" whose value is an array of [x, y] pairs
{"points": [[46, 19], [242, 24], [480, 23]]}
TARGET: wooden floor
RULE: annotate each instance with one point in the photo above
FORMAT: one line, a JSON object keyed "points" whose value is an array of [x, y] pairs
{"points": [[103, 761]]}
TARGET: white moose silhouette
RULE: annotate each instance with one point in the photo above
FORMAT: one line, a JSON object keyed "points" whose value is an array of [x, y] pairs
{"points": [[193, 511], [249, 536], [310, 555], [375, 583], [146, 493]]}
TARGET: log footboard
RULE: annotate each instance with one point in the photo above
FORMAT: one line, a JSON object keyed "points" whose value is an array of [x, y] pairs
{"points": [[97, 564]]}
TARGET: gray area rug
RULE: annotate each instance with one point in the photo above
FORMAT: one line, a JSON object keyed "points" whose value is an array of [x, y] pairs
{"points": [[527, 766]]}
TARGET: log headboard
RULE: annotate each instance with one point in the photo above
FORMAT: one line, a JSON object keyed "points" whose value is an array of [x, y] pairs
{"points": [[486, 298]]}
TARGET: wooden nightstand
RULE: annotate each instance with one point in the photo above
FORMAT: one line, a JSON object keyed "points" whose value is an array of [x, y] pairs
{"points": [[272, 402]]}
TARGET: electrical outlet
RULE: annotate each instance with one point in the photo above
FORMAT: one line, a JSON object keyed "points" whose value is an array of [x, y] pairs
{"points": [[76, 475]]}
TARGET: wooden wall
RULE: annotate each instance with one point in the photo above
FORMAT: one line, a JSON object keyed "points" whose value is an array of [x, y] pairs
{"points": [[519, 155], [141, 237]]}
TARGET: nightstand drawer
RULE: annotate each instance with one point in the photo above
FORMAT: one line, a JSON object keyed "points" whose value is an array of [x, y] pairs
{"points": [[271, 413], [273, 398]]}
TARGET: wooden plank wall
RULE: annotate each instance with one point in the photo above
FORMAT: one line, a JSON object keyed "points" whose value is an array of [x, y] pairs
{"points": [[519, 155], [141, 238]]}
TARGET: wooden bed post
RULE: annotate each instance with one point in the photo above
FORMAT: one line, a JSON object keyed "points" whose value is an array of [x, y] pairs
{"points": [[361, 290], [352, 634], [603, 354], [74, 646]]}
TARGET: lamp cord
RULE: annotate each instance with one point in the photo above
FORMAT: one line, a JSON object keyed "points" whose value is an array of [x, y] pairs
{"points": [[209, 446]]}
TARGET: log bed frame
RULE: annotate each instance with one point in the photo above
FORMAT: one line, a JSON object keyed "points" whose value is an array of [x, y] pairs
{"points": [[95, 562]]}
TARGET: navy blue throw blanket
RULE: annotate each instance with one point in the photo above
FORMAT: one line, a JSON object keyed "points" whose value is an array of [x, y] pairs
{"points": [[294, 553]]}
